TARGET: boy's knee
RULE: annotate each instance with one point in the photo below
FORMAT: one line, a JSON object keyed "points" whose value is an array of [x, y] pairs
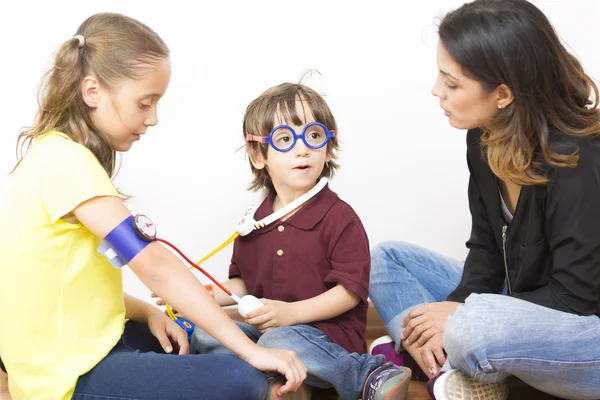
{"points": [[277, 338], [202, 342]]}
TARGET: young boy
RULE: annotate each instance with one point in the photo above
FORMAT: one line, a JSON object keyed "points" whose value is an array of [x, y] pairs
{"points": [[311, 268]]}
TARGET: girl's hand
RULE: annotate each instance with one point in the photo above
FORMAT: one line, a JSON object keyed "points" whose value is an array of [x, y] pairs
{"points": [[273, 314], [422, 323], [285, 362], [167, 331]]}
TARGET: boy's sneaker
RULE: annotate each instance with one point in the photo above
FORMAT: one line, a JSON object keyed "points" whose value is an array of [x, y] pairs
{"points": [[303, 392], [387, 382], [386, 346], [455, 385]]}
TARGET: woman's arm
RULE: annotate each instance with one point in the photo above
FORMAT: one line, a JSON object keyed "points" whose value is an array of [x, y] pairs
{"points": [[483, 271]]}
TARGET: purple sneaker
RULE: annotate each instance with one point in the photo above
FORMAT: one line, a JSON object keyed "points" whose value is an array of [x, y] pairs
{"points": [[386, 347]]}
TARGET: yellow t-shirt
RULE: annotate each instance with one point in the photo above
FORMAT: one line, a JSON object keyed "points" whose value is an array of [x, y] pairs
{"points": [[62, 301]]}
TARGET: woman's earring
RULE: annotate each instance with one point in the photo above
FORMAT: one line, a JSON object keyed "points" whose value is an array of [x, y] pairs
{"points": [[499, 107]]}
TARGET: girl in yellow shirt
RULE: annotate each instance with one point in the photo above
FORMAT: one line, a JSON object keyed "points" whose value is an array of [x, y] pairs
{"points": [[70, 338]]}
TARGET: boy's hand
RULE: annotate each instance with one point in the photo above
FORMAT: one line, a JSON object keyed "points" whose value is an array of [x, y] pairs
{"points": [[273, 314], [160, 302]]}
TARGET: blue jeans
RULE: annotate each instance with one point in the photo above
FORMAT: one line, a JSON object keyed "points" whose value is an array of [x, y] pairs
{"points": [[490, 336], [328, 364], [138, 368]]}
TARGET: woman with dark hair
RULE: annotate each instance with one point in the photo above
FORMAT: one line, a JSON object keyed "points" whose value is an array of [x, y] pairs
{"points": [[526, 301]]}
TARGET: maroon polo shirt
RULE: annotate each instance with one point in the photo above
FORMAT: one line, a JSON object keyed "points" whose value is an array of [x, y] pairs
{"points": [[324, 243]]}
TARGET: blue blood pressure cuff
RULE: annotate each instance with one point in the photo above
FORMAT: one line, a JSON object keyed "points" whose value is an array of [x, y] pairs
{"points": [[127, 240]]}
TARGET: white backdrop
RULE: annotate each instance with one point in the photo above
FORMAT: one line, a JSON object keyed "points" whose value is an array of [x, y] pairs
{"points": [[403, 166]]}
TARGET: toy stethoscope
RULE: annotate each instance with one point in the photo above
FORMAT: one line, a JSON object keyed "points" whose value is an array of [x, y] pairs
{"points": [[244, 226]]}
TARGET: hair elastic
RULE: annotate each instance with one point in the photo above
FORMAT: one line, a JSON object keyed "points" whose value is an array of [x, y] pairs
{"points": [[81, 40]]}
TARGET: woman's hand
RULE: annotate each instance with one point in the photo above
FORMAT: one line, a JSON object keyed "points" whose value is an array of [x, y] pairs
{"points": [[432, 353], [285, 362], [422, 323], [167, 331]]}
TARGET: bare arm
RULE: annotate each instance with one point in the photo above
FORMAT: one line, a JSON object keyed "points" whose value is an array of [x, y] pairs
{"points": [[163, 273], [136, 310], [330, 304], [235, 285]]}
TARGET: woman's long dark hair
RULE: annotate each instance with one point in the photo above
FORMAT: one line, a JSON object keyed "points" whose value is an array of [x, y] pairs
{"points": [[512, 42]]}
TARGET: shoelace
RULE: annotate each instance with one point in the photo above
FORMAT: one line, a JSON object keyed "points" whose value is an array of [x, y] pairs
{"points": [[378, 379]]}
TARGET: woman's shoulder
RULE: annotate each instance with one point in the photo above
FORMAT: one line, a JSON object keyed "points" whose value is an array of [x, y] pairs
{"points": [[474, 137], [586, 147]]}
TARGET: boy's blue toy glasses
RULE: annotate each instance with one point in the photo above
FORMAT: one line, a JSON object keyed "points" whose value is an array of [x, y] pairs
{"points": [[283, 138]]}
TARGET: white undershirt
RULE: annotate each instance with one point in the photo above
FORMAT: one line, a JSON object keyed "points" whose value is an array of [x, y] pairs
{"points": [[508, 217]]}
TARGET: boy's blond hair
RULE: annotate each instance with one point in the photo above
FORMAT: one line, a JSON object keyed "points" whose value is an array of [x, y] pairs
{"points": [[280, 101]]}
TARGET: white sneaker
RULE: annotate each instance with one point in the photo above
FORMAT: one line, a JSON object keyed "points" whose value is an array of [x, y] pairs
{"points": [[455, 385]]}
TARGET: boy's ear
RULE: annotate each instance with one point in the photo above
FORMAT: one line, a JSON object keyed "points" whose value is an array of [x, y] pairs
{"points": [[256, 157]]}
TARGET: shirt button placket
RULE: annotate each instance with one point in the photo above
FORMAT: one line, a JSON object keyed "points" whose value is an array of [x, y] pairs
{"points": [[279, 274], [280, 228]]}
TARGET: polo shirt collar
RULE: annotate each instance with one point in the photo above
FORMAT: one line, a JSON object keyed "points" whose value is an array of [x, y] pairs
{"points": [[309, 215]]}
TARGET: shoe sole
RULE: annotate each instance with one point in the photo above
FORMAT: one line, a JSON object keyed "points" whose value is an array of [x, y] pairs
{"points": [[394, 389], [452, 385]]}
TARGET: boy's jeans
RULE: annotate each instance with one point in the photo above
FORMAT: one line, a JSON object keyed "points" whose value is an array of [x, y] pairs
{"points": [[328, 364]]}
